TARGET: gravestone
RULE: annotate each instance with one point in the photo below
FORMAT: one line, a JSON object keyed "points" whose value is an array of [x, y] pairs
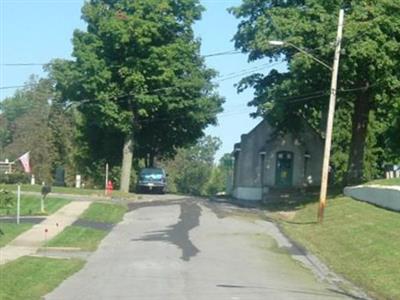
{"points": [[59, 178]]}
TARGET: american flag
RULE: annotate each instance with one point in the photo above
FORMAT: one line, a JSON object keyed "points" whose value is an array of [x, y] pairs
{"points": [[24, 159]]}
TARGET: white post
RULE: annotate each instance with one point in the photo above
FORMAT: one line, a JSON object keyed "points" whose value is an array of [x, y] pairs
{"points": [[105, 186], [78, 181], [18, 202], [33, 179]]}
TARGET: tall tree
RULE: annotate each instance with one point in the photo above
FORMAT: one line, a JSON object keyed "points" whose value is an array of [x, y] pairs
{"points": [[34, 120], [138, 75], [369, 67]]}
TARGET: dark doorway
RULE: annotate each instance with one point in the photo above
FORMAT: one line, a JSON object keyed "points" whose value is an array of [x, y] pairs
{"points": [[284, 169]]}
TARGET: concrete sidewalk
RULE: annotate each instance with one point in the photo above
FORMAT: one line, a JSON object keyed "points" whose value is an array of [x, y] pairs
{"points": [[31, 240]]}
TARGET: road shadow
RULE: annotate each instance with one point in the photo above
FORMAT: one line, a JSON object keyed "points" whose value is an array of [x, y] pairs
{"points": [[178, 234]]}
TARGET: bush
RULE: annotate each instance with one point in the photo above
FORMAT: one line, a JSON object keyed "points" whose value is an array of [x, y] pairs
{"points": [[6, 199], [14, 178], [217, 182]]}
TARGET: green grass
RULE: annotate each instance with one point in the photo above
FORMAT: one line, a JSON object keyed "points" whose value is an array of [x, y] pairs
{"points": [[30, 278], [78, 237], [67, 190], [30, 205], [387, 182], [56, 189], [104, 213], [89, 238], [357, 240], [11, 231]]}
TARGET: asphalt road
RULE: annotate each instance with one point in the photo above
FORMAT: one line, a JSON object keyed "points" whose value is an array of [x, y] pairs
{"points": [[183, 248]]}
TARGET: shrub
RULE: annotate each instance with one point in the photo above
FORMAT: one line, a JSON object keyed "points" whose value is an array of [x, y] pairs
{"points": [[6, 199], [14, 178]]}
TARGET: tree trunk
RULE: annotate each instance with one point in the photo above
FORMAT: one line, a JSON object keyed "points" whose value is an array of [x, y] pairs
{"points": [[127, 155], [151, 160], [355, 167]]}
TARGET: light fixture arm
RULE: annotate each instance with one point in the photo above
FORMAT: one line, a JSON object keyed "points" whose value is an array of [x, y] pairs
{"points": [[282, 43], [309, 55]]}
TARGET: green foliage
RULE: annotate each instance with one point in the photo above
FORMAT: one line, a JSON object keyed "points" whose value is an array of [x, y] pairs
{"points": [[191, 169], [368, 76], [222, 176], [138, 73], [14, 178], [34, 120], [217, 182], [6, 199]]}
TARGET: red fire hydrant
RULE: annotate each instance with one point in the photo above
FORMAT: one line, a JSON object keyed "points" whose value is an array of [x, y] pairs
{"points": [[109, 188]]}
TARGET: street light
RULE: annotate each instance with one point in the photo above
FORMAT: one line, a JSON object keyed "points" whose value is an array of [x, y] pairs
{"points": [[331, 112], [282, 43]]}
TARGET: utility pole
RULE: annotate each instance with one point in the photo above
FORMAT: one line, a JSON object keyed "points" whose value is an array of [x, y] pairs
{"points": [[329, 126]]}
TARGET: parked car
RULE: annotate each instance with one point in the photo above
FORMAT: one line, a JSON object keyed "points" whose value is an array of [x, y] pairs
{"points": [[152, 180]]}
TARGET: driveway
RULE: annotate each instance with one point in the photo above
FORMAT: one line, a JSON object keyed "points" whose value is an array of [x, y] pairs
{"points": [[185, 248]]}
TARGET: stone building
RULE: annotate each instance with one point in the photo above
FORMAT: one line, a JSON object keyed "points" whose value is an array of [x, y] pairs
{"points": [[265, 160]]}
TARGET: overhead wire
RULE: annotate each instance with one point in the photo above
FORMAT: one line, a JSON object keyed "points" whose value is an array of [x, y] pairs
{"points": [[290, 100], [217, 78], [29, 64]]}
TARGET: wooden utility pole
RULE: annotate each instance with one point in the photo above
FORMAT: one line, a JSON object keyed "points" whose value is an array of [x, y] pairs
{"points": [[329, 126]]}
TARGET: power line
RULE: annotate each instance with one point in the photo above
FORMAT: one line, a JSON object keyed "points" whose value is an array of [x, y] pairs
{"points": [[222, 53], [218, 78], [30, 64], [289, 101], [15, 86], [24, 64], [249, 71]]}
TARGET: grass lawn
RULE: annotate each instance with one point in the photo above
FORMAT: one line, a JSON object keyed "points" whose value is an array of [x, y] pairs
{"points": [[89, 238], [392, 181], [56, 189], [104, 212], [30, 278], [357, 240], [79, 237], [11, 231], [67, 190], [30, 205]]}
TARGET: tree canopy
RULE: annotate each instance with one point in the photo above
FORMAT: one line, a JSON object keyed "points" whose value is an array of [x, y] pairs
{"points": [[368, 86], [34, 120], [137, 74], [192, 170]]}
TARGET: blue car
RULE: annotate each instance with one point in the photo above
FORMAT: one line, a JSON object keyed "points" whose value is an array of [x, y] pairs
{"points": [[152, 180]]}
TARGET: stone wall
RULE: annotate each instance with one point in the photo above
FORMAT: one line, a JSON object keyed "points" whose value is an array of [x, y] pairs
{"points": [[384, 196]]}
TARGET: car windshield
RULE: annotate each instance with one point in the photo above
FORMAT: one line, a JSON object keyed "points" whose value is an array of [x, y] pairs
{"points": [[151, 174]]}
